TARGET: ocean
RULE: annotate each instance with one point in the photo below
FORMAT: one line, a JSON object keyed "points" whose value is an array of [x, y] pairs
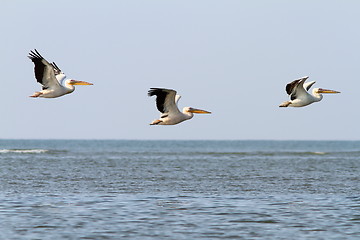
{"points": [[119, 189]]}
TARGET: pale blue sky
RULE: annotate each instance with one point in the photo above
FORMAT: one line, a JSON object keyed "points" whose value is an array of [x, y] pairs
{"points": [[230, 57]]}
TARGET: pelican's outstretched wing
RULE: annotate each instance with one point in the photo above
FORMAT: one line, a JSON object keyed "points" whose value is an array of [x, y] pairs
{"points": [[57, 70], [165, 99], [308, 85], [296, 88], [177, 98], [44, 71]]}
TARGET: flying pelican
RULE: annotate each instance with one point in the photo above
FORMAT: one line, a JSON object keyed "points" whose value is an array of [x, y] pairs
{"points": [[51, 78], [166, 102], [299, 96]]}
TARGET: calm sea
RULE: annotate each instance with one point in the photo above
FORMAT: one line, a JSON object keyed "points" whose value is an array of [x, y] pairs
{"points": [[63, 189]]}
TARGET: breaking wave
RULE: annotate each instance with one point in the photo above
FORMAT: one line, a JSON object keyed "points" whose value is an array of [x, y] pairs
{"points": [[35, 151]]}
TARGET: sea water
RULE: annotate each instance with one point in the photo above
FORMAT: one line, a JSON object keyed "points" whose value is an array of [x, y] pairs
{"points": [[118, 189]]}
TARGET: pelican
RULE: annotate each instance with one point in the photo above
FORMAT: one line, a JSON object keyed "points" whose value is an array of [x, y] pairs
{"points": [[51, 78], [166, 102], [299, 97]]}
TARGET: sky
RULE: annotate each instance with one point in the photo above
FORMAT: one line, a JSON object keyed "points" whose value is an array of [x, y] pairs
{"points": [[233, 58]]}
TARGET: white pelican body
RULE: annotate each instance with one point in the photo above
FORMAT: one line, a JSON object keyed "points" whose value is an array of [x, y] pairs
{"points": [[166, 102], [299, 97], [52, 78]]}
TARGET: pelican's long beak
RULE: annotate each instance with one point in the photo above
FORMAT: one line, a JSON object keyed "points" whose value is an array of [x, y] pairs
{"points": [[327, 91], [75, 82], [195, 110]]}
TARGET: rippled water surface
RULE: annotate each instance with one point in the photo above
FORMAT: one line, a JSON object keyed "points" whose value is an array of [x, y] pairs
{"points": [[61, 189]]}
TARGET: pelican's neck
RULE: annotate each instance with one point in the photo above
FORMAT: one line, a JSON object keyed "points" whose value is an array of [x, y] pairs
{"points": [[187, 115], [67, 85], [317, 96]]}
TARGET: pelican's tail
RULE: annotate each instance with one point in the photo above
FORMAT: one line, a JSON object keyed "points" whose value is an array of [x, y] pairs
{"points": [[285, 104]]}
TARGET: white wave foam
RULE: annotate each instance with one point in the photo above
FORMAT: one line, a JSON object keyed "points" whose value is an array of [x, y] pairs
{"points": [[23, 150]]}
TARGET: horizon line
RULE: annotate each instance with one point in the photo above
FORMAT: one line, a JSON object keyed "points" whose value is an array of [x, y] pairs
{"points": [[118, 139]]}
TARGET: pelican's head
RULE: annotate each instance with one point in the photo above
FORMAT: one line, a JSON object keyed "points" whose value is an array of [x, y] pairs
{"points": [[194, 110], [76, 82], [321, 90]]}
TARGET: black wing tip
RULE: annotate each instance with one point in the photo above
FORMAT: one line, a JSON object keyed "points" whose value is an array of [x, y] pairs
{"points": [[56, 67], [157, 91], [298, 80], [294, 82], [35, 55], [301, 78]]}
